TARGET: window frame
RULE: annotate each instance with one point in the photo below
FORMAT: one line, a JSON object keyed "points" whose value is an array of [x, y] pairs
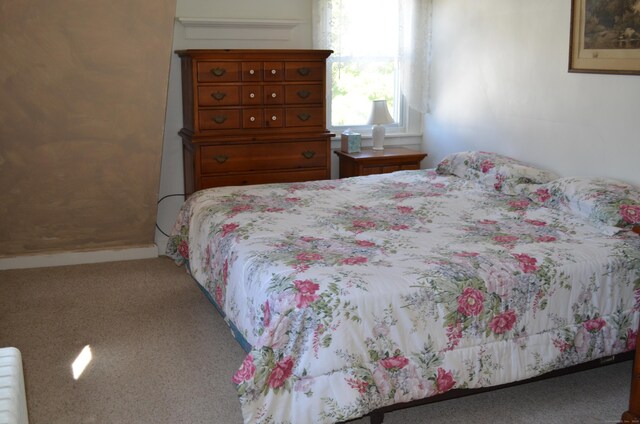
{"points": [[401, 110]]}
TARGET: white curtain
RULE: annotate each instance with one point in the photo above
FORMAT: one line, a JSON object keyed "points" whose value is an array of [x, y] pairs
{"points": [[414, 48]]}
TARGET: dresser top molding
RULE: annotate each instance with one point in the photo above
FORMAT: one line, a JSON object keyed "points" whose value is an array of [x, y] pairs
{"points": [[259, 54]]}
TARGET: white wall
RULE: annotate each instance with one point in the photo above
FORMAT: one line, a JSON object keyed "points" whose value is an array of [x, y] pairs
{"points": [[500, 83]]}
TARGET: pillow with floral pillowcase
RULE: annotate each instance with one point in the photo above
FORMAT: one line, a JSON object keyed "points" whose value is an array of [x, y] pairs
{"points": [[455, 164], [502, 173], [604, 201]]}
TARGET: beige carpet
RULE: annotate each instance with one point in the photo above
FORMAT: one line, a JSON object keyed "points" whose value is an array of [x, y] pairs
{"points": [[162, 354]]}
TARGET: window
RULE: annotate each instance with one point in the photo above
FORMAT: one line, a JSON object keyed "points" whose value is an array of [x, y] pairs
{"points": [[379, 48], [364, 65]]}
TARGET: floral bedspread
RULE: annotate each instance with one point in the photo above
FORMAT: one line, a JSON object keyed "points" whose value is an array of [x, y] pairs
{"points": [[364, 292]]}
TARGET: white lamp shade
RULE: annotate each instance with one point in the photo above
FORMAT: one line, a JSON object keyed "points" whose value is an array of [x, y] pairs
{"points": [[380, 113]]}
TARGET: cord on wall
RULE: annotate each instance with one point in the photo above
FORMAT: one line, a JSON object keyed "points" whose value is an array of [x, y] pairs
{"points": [[161, 199]]}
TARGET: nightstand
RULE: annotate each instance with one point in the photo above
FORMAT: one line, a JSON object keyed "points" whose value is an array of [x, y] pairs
{"points": [[369, 161]]}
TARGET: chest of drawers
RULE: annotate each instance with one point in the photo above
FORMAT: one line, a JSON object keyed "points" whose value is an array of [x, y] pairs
{"points": [[254, 117]]}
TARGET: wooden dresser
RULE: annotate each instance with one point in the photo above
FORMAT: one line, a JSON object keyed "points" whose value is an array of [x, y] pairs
{"points": [[254, 117]]}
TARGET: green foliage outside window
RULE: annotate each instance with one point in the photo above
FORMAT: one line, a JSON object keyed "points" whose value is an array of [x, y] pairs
{"points": [[355, 85]]}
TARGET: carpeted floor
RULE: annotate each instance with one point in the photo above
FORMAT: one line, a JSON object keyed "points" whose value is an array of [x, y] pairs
{"points": [[161, 354]]}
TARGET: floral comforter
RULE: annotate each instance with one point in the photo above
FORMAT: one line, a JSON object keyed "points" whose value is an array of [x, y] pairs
{"points": [[365, 292]]}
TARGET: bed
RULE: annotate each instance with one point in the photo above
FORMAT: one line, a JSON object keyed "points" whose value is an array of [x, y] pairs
{"points": [[353, 295]]}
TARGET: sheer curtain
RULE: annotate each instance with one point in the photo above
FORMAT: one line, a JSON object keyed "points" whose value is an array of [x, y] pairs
{"points": [[413, 51]]}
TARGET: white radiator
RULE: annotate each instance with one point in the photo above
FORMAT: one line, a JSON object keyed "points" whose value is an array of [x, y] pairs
{"points": [[13, 402]]}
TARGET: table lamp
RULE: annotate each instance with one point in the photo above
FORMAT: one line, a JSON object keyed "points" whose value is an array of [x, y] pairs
{"points": [[379, 116]]}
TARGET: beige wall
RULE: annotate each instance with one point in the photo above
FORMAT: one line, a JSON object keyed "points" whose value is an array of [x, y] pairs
{"points": [[83, 89]]}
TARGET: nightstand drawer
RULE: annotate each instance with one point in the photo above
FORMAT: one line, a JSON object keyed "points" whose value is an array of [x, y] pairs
{"points": [[262, 156], [371, 170], [369, 162]]}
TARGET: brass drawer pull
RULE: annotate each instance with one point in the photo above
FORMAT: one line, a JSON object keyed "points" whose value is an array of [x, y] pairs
{"points": [[308, 154], [218, 95], [219, 119], [303, 94], [304, 116], [304, 71], [218, 72], [221, 158]]}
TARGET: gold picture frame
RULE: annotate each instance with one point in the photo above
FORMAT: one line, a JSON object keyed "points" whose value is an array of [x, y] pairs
{"points": [[605, 37]]}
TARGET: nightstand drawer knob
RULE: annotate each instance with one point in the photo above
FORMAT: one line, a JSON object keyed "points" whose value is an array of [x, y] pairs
{"points": [[218, 72], [304, 71], [304, 116], [252, 95], [308, 154], [252, 119], [274, 117], [218, 95], [251, 72], [219, 119], [303, 94], [273, 72], [221, 158], [273, 95]]}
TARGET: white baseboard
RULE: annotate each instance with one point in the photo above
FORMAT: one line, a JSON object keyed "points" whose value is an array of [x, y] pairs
{"points": [[76, 258]]}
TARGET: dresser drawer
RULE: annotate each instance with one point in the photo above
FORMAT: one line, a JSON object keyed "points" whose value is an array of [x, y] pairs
{"points": [[213, 71], [304, 117], [273, 118], [273, 71], [273, 94], [218, 95], [303, 94], [263, 178], [219, 119], [263, 156], [304, 71], [251, 71], [252, 95], [252, 118], [262, 118]]}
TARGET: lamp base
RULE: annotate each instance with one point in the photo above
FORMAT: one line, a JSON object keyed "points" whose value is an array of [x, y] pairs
{"points": [[377, 133]]}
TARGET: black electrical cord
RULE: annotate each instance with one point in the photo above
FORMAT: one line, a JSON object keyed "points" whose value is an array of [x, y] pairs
{"points": [[161, 199]]}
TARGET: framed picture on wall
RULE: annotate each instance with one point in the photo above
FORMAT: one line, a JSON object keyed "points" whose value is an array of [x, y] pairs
{"points": [[605, 36]]}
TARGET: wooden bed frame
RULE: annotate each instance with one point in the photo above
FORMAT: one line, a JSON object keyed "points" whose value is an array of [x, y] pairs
{"points": [[630, 417]]}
